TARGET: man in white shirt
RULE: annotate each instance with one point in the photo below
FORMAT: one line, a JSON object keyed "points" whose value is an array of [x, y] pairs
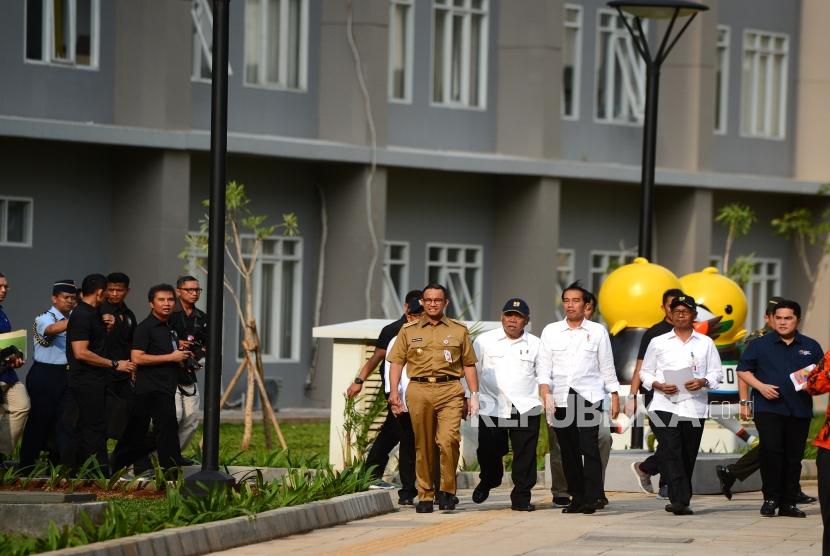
{"points": [[576, 371], [677, 413], [509, 405]]}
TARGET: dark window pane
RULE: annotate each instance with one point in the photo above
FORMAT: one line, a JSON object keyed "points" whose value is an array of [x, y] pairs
{"points": [[16, 223], [287, 309], [83, 33], [34, 30]]}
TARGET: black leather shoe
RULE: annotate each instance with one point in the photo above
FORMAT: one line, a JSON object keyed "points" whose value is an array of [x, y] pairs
{"points": [[768, 509], [424, 507], [446, 501], [726, 481], [589, 507], [679, 509], [404, 501], [804, 498], [573, 508], [561, 501], [602, 502], [523, 507], [790, 510], [480, 494]]}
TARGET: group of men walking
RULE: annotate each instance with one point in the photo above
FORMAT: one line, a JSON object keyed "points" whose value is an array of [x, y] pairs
{"points": [[98, 374], [509, 379]]}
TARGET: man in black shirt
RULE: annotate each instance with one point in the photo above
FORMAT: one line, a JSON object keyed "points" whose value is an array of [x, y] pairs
{"points": [[88, 365], [190, 324], [644, 470], [155, 351], [391, 432]]}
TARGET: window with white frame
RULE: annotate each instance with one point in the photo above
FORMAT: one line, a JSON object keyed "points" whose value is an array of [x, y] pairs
{"points": [[63, 32], [571, 61], [401, 30], [16, 217], [276, 38], [722, 79], [604, 263], [620, 72], [202, 16], [395, 277], [459, 64], [458, 267], [764, 84], [764, 282], [277, 296]]}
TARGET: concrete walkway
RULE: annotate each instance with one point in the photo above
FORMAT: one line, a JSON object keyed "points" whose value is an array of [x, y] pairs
{"points": [[633, 524]]}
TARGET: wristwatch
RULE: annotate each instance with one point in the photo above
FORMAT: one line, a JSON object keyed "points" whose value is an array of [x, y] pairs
{"points": [[358, 380], [113, 364], [743, 402]]}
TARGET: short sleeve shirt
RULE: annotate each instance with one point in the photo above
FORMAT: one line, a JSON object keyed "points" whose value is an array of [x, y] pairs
{"points": [[55, 352], [388, 332], [771, 360], [155, 337], [433, 350], [85, 324]]}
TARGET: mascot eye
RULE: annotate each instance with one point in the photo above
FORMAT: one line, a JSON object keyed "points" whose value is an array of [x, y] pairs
{"points": [[728, 309]]}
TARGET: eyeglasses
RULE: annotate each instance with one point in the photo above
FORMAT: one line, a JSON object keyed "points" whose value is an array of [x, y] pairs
{"points": [[191, 290], [433, 301]]}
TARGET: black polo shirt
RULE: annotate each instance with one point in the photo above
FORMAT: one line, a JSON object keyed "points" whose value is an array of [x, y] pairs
{"points": [[194, 324], [120, 337], [657, 330], [85, 324], [388, 332], [771, 360], [155, 337]]}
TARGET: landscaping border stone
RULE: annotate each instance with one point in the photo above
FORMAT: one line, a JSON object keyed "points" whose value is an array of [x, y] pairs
{"points": [[240, 531]]}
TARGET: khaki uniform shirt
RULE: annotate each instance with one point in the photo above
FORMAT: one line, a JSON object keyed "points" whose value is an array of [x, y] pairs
{"points": [[433, 350]]}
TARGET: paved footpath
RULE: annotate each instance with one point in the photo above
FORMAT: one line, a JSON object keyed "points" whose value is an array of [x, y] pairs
{"points": [[633, 524]]}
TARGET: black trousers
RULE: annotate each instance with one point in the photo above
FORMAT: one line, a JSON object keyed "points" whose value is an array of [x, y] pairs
{"points": [[748, 464], [88, 399], [782, 447], [577, 430], [394, 431], [651, 465], [133, 443], [823, 464], [46, 428], [161, 408], [679, 439], [522, 430]]}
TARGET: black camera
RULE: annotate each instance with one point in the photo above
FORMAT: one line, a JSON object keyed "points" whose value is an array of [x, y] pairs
{"points": [[9, 353], [197, 348]]}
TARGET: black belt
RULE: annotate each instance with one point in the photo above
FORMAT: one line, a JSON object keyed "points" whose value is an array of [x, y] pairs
{"points": [[434, 379]]}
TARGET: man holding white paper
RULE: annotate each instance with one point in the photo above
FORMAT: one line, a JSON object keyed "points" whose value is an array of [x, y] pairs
{"points": [[680, 366]]}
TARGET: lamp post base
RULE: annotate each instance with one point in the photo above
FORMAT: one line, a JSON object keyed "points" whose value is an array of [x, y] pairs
{"points": [[203, 482]]}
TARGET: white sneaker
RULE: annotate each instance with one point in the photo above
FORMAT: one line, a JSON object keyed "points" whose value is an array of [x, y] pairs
{"points": [[643, 478]]}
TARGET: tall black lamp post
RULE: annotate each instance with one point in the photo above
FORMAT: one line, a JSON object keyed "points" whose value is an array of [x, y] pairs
{"points": [[670, 10], [210, 477]]}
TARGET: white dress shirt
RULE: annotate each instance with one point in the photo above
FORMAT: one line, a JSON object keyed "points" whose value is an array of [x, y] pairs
{"points": [[669, 352], [578, 358], [507, 372], [404, 379]]}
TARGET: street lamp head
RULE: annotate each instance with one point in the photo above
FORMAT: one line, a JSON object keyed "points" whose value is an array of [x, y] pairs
{"points": [[658, 9]]}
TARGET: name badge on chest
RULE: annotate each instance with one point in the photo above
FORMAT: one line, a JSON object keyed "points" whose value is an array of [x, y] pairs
{"points": [[447, 356]]}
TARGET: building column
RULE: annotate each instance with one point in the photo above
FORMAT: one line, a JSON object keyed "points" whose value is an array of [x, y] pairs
{"points": [[524, 258], [349, 250], [529, 84], [683, 231], [150, 216]]}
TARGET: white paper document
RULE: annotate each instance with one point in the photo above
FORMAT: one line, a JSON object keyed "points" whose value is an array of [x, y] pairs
{"points": [[679, 377]]}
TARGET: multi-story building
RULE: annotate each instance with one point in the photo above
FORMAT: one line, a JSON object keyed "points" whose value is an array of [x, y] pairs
{"points": [[507, 136]]}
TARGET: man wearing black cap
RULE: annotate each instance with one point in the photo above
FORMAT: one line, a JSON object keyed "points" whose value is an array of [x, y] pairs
{"points": [[390, 433], [46, 381], [680, 366], [509, 406], [86, 351]]}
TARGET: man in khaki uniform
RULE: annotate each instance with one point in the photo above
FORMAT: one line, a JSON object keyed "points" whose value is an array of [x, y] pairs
{"points": [[437, 352]]}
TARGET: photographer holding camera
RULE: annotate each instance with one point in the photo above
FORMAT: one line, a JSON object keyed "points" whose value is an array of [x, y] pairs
{"points": [[158, 355], [190, 323], [14, 401]]}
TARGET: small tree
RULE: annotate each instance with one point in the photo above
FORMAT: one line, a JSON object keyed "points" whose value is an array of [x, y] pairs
{"points": [[239, 222], [738, 220], [806, 229]]}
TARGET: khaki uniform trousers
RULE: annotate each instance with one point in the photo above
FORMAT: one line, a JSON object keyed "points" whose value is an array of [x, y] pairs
{"points": [[14, 411], [436, 411]]}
